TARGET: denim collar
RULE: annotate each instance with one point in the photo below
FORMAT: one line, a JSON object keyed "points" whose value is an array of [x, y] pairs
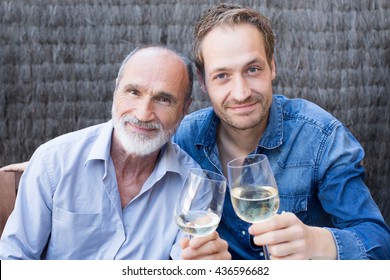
{"points": [[271, 139], [273, 134]]}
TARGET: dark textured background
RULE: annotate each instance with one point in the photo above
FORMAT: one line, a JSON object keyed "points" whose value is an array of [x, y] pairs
{"points": [[59, 60]]}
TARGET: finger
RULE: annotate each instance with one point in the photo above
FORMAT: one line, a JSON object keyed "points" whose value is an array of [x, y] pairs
{"points": [[293, 232], [264, 226], [184, 242], [287, 250], [273, 237], [198, 242], [289, 257], [284, 244], [213, 249], [225, 255], [293, 250], [276, 222]]}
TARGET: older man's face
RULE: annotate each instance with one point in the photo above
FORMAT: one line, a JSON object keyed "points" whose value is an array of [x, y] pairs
{"points": [[149, 101]]}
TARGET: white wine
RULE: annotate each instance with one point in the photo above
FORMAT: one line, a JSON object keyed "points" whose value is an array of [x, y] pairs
{"points": [[197, 222], [253, 204]]}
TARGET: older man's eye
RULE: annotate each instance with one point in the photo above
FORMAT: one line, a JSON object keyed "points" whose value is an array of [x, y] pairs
{"points": [[163, 100], [134, 92]]}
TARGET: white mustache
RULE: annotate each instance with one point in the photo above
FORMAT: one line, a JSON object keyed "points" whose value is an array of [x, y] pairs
{"points": [[137, 122]]}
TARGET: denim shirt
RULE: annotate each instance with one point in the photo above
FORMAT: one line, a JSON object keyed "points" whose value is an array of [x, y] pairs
{"points": [[317, 165]]}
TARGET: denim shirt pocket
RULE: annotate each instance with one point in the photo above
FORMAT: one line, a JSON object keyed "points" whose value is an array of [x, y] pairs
{"points": [[297, 204]]}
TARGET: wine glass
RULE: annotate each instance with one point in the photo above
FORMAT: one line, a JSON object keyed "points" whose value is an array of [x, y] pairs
{"points": [[253, 189], [199, 205]]}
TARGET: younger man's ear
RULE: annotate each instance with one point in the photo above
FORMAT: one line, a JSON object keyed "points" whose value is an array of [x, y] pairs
{"points": [[201, 81], [273, 68], [187, 106]]}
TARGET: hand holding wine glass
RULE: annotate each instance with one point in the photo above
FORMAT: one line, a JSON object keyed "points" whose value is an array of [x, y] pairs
{"points": [[199, 206], [253, 189]]}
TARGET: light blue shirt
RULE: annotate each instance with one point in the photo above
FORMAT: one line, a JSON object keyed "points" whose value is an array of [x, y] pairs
{"points": [[68, 204]]}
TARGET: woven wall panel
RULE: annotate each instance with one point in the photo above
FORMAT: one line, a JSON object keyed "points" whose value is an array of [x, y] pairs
{"points": [[59, 60]]}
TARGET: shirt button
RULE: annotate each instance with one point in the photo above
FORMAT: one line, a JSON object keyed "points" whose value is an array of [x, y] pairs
{"points": [[261, 254], [243, 232]]}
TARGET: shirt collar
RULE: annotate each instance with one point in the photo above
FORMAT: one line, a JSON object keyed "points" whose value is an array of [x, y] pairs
{"points": [[272, 136], [208, 133], [100, 151], [101, 148], [167, 161]]}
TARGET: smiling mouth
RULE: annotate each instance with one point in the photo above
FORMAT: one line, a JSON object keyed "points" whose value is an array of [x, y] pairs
{"points": [[141, 129], [243, 107]]}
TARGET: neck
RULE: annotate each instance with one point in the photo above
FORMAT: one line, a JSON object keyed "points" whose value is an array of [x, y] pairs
{"points": [[131, 171], [234, 143], [123, 160]]}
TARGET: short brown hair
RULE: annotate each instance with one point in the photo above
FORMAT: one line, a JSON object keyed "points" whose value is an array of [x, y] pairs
{"points": [[231, 14]]}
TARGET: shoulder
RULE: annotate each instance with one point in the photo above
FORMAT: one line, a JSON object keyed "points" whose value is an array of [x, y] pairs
{"points": [[198, 116], [196, 119], [74, 145], [192, 124], [305, 111], [185, 160], [178, 161], [74, 137]]}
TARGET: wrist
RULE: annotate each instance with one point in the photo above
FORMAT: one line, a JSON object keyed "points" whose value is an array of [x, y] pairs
{"points": [[324, 246]]}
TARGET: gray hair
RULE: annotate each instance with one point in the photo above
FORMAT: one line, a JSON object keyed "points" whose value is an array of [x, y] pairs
{"points": [[184, 58]]}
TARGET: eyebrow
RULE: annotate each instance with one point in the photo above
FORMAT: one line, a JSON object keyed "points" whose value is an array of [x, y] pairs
{"points": [[164, 94], [252, 61], [130, 87], [257, 60]]}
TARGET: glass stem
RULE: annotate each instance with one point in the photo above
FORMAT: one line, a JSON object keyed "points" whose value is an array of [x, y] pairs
{"points": [[266, 253]]}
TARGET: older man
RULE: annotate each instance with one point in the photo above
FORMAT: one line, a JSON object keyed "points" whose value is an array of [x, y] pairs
{"points": [[108, 191]]}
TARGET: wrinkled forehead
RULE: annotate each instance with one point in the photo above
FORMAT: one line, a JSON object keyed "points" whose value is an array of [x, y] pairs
{"points": [[155, 58], [156, 53], [158, 68]]}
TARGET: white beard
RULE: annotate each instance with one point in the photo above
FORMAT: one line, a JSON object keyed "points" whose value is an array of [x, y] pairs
{"points": [[138, 144]]}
